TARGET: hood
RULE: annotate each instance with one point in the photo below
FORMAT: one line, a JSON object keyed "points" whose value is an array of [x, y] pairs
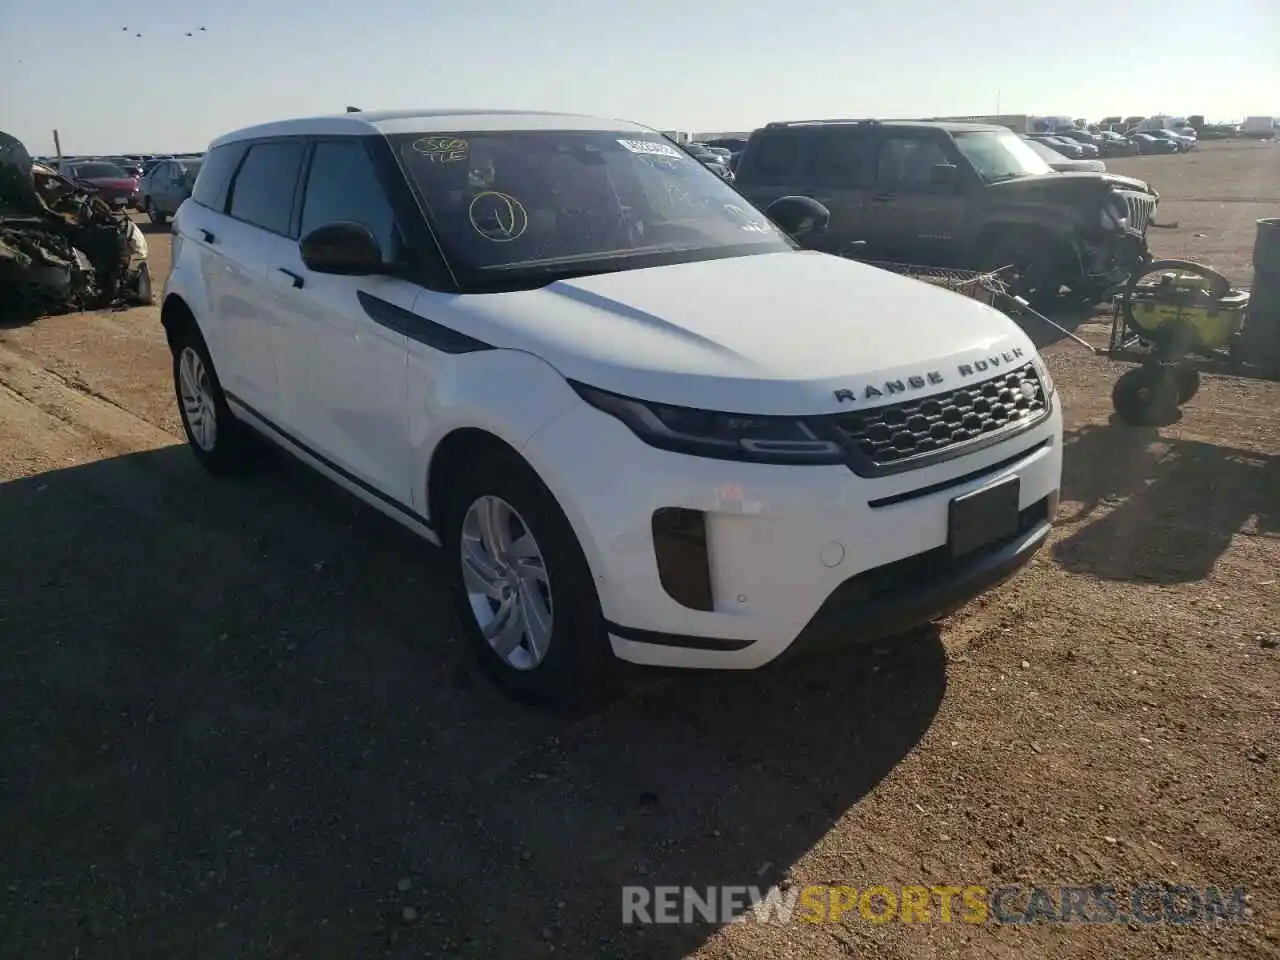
{"points": [[773, 333], [1070, 181]]}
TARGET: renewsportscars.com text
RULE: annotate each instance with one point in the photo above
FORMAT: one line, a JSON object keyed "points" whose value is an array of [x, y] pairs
{"points": [[972, 904]]}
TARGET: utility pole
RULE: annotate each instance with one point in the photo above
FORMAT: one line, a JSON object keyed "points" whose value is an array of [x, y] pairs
{"points": [[57, 147], [997, 103]]}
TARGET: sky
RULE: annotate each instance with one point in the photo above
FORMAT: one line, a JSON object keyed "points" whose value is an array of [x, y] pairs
{"points": [[692, 65]]}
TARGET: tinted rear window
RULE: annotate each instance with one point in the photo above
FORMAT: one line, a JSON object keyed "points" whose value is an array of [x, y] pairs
{"points": [[262, 192], [769, 158], [215, 176]]}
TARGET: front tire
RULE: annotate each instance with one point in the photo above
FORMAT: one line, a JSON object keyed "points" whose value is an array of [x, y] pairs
{"points": [[154, 214], [1031, 264], [524, 591], [220, 442]]}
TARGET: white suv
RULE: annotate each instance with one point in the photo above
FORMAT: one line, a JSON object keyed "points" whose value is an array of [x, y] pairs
{"points": [[623, 401]]}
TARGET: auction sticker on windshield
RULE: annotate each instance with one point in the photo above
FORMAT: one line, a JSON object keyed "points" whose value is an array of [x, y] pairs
{"points": [[651, 149]]}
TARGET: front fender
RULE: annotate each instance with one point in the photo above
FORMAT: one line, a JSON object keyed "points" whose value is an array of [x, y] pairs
{"points": [[507, 393]]}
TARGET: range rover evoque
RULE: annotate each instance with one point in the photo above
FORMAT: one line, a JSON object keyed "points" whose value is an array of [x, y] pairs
{"points": [[641, 422], [952, 194]]}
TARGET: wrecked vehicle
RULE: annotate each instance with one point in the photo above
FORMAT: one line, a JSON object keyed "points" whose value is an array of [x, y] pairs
{"points": [[957, 195], [62, 247]]}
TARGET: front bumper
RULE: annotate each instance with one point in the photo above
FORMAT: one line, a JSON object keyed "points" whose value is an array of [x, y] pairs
{"points": [[796, 556]]}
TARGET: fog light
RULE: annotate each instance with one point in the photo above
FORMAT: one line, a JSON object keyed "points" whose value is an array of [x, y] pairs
{"points": [[680, 548]]}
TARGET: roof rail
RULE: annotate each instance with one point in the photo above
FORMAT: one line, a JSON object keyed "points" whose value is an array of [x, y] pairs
{"points": [[800, 123]]}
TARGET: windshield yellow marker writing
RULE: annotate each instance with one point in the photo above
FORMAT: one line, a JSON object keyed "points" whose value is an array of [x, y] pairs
{"points": [[504, 217], [442, 149]]}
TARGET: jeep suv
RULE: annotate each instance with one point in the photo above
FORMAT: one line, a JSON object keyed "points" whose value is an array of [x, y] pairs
{"points": [[640, 420], [962, 195]]}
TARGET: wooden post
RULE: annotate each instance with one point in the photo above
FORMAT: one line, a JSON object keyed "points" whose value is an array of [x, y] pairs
{"points": [[57, 148]]}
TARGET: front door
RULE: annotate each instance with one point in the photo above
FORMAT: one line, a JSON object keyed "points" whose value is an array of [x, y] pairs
{"points": [[911, 217], [341, 358]]}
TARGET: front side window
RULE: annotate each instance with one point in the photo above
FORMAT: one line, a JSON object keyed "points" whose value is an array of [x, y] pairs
{"points": [[520, 207], [1000, 156], [909, 161], [262, 193], [343, 184]]}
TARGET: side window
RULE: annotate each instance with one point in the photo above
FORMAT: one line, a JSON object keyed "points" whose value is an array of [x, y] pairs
{"points": [[343, 184], [838, 156], [262, 193], [769, 158], [906, 161], [215, 176]]}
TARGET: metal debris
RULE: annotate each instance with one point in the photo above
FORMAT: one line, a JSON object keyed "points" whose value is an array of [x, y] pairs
{"points": [[62, 248]]}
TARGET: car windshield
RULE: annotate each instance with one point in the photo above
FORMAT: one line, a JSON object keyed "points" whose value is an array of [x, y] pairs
{"points": [[1000, 156], [1043, 151], [521, 207], [99, 171]]}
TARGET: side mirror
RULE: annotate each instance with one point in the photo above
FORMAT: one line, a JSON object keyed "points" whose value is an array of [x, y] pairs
{"points": [[799, 217], [344, 248], [944, 175]]}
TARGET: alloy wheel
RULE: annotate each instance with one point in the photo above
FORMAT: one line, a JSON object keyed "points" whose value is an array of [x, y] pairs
{"points": [[505, 578], [196, 393]]}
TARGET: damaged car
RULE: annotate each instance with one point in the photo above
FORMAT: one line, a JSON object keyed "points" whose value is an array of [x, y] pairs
{"points": [[62, 247], [957, 195]]}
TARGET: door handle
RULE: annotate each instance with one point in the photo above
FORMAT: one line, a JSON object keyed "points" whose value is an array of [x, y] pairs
{"points": [[208, 236], [296, 278]]}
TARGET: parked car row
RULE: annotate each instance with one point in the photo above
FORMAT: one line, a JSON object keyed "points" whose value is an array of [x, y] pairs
{"points": [[131, 181]]}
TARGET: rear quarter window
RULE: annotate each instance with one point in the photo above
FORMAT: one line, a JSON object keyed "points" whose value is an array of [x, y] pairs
{"points": [[769, 158], [219, 166]]}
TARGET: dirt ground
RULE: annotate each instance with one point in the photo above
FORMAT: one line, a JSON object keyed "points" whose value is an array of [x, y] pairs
{"points": [[234, 722]]}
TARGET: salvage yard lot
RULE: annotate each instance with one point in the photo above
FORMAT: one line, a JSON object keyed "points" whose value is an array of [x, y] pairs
{"points": [[235, 721]]}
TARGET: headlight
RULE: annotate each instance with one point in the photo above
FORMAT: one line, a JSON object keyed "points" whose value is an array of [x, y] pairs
{"points": [[722, 436], [1046, 378], [1115, 215]]}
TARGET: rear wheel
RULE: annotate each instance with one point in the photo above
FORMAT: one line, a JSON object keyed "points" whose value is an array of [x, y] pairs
{"points": [[1146, 396], [219, 441], [522, 585], [153, 213]]}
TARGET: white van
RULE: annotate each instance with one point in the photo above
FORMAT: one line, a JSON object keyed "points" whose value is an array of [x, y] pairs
{"points": [[1260, 127], [1178, 125]]}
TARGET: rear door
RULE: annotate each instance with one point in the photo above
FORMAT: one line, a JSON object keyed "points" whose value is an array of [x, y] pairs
{"points": [[838, 167], [257, 234], [911, 219]]}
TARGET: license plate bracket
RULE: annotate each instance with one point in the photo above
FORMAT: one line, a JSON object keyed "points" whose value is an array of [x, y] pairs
{"points": [[982, 517]]}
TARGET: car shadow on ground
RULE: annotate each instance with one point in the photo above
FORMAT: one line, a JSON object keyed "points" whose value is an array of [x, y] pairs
{"points": [[236, 724], [1171, 506], [149, 228], [1066, 313]]}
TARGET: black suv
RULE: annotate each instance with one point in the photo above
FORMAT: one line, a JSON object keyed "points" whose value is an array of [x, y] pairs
{"points": [[964, 195]]}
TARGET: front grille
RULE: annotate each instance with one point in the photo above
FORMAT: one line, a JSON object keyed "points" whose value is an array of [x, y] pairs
{"points": [[913, 433], [1141, 211]]}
